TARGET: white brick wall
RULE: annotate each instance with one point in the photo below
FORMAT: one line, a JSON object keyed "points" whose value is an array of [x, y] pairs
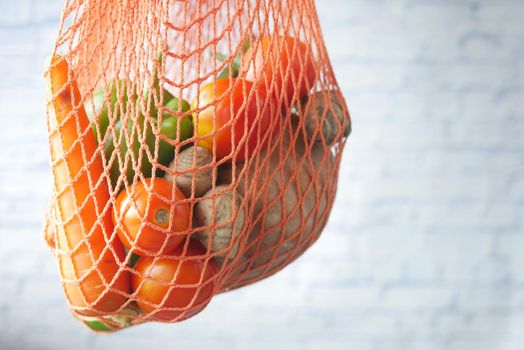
{"points": [[424, 249]]}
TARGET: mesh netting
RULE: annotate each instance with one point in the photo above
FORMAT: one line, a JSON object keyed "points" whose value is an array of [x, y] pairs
{"points": [[195, 149]]}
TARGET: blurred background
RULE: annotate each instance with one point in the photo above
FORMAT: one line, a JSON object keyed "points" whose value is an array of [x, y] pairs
{"points": [[425, 245]]}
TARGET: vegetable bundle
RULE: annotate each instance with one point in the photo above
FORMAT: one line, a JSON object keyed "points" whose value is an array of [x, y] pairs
{"points": [[195, 148]]}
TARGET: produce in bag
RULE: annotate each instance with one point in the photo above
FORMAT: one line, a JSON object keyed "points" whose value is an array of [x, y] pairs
{"points": [[195, 149]]}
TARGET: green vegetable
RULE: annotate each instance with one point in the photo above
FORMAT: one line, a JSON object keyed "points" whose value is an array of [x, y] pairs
{"points": [[97, 326], [225, 73], [98, 108], [231, 69], [114, 322], [133, 260], [104, 110], [168, 128], [126, 161], [130, 150], [151, 102]]}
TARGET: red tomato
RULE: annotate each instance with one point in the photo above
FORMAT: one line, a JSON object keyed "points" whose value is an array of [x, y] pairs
{"points": [[157, 230], [284, 62], [184, 285], [243, 117]]}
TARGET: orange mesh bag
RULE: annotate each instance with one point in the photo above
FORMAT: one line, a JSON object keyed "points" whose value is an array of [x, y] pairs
{"points": [[195, 148]]}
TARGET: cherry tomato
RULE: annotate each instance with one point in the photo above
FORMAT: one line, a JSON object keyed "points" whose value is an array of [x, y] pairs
{"points": [[284, 62], [240, 110], [157, 230], [174, 282]]}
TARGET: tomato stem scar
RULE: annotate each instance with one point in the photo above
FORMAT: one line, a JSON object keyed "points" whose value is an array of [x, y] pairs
{"points": [[162, 216]]}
